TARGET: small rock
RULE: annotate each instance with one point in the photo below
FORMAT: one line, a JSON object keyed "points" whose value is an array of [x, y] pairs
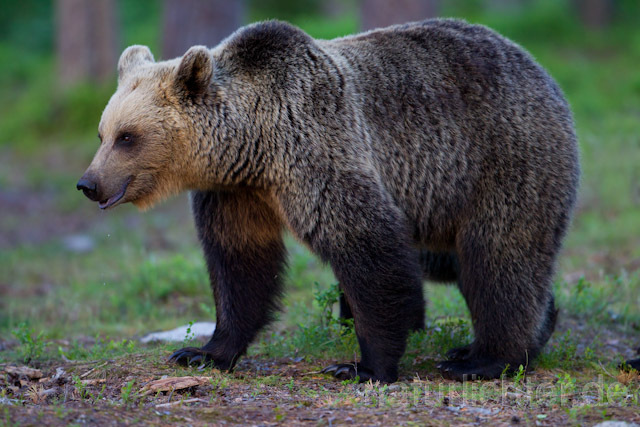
{"points": [[7, 401], [616, 424], [78, 243], [198, 330], [481, 411], [59, 373]]}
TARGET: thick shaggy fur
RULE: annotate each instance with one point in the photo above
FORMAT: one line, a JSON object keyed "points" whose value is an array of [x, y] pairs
{"points": [[433, 149]]}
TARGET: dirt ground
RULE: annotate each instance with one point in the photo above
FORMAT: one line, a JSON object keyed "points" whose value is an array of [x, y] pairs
{"points": [[289, 392]]}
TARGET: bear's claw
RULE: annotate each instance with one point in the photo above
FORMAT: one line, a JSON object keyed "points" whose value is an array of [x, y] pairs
{"points": [[189, 356], [349, 371], [459, 353], [471, 369]]}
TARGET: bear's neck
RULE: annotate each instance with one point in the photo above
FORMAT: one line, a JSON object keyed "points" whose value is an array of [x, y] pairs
{"points": [[231, 152]]}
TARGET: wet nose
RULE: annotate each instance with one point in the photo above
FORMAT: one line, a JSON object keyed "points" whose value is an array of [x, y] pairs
{"points": [[89, 188]]}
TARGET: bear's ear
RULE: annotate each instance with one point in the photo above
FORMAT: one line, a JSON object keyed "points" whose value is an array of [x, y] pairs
{"points": [[132, 57], [194, 72]]}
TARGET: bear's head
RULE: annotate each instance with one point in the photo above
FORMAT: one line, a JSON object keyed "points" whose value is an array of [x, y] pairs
{"points": [[147, 129]]}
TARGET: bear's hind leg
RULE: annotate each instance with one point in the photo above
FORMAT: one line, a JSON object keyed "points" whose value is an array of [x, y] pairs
{"points": [[508, 292], [548, 326], [383, 288], [436, 267], [245, 255], [380, 276]]}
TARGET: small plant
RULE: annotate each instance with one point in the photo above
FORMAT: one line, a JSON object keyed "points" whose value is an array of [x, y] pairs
{"points": [[279, 413], [189, 335], [101, 393], [561, 354], [60, 411], [219, 381], [326, 300], [31, 348], [7, 417], [81, 388], [519, 376], [567, 385], [126, 393]]}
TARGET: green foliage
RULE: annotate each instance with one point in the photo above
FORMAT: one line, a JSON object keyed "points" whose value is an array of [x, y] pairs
{"points": [[322, 335], [596, 302], [283, 9], [27, 23], [189, 336], [127, 394], [32, 346], [32, 108], [563, 353], [439, 337], [160, 279], [103, 348], [326, 299], [519, 376], [81, 388], [155, 283]]}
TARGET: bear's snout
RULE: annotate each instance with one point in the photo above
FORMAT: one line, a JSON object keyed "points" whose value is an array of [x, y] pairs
{"points": [[89, 188]]}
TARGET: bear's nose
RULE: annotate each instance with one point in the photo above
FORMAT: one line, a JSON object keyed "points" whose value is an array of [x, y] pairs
{"points": [[89, 188]]}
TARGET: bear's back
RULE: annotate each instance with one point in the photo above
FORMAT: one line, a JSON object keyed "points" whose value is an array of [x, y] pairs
{"points": [[455, 112], [448, 114]]}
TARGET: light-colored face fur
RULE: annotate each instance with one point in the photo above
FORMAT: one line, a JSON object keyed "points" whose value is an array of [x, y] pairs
{"points": [[144, 129]]}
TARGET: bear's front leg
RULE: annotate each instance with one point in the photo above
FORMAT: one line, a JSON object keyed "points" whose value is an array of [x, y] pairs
{"points": [[241, 238]]}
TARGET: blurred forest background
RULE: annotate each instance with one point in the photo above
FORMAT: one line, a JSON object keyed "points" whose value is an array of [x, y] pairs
{"points": [[67, 269]]}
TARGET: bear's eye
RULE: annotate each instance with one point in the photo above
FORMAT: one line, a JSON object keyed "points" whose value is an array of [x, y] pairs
{"points": [[125, 139]]}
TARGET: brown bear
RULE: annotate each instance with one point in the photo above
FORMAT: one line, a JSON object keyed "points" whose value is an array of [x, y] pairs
{"points": [[434, 149]]}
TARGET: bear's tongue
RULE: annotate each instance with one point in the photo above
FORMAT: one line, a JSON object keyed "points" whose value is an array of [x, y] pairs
{"points": [[104, 204]]}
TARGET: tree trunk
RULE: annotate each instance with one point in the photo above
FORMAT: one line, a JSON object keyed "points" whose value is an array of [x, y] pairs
{"points": [[197, 22], [381, 13], [86, 42]]}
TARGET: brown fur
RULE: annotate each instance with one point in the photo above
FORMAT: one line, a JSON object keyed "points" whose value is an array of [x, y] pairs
{"points": [[435, 149]]}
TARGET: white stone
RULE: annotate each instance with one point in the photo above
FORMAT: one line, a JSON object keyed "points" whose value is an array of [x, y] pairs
{"points": [[616, 424], [198, 330]]}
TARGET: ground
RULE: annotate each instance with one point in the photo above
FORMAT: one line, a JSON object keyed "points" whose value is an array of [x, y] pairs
{"points": [[290, 391]]}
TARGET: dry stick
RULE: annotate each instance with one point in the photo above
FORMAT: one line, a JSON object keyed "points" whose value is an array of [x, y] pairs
{"points": [[607, 372], [178, 402], [91, 370]]}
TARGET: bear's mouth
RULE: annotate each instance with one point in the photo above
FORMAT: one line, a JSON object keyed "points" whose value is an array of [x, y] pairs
{"points": [[113, 200]]}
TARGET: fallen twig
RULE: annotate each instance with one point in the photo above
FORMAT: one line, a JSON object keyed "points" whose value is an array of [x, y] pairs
{"points": [[93, 369], [178, 402], [605, 370]]}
